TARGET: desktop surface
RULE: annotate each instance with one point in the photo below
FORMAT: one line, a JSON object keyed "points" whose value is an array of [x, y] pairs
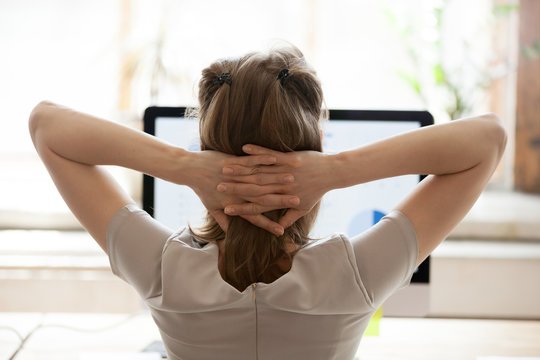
{"points": [[399, 338]]}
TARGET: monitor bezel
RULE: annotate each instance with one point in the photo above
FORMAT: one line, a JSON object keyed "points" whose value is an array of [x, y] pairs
{"points": [[421, 116]]}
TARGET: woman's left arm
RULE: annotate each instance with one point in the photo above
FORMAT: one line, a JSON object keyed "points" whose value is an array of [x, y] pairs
{"points": [[71, 145]]}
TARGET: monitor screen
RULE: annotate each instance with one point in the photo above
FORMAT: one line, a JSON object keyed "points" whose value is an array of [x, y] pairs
{"points": [[355, 209], [350, 211]]}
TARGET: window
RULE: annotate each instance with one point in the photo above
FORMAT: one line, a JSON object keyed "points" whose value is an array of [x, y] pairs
{"points": [[114, 58]]}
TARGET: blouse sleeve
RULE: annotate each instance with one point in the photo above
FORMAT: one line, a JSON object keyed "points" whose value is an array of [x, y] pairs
{"points": [[135, 243], [386, 256]]}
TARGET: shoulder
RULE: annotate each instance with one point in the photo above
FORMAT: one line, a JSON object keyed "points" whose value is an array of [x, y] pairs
{"points": [[325, 277], [328, 252], [332, 247], [392, 228]]}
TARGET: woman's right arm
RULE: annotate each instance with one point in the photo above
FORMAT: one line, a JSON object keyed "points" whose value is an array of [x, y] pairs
{"points": [[460, 157]]}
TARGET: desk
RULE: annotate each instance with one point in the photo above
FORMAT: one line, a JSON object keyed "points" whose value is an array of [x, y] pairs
{"points": [[400, 338]]}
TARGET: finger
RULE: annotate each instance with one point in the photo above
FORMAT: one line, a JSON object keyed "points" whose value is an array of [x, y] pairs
{"points": [[249, 190], [263, 179], [291, 216], [259, 150], [262, 204], [247, 209], [251, 160], [275, 200], [240, 170], [265, 223]]}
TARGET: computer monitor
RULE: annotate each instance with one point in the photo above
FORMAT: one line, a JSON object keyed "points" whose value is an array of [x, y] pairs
{"points": [[350, 211]]}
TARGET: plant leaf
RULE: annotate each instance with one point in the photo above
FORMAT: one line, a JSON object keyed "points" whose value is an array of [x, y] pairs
{"points": [[438, 74], [412, 81]]}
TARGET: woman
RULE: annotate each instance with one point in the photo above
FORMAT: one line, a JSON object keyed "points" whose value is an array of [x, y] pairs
{"points": [[254, 286]]}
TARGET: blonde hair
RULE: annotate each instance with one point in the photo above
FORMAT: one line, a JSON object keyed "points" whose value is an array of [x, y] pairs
{"points": [[255, 106]]}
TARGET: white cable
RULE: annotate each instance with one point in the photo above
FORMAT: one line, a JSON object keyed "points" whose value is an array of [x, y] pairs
{"points": [[61, 326]]}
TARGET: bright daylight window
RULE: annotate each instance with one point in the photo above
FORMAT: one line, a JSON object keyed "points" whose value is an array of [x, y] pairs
{"points": [[114, 58]]}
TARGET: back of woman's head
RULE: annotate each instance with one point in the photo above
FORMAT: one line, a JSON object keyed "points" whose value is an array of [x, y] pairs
{"points": [[272, 100]]}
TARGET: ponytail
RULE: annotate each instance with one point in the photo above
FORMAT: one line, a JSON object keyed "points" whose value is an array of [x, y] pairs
{"points": [[272, 100]]}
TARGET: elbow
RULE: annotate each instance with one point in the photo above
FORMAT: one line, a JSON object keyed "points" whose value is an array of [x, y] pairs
{"points": [[495, 133], [36, 119], [500, 135]]}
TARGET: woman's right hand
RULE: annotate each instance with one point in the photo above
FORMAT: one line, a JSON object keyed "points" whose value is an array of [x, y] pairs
{"points": [[312, 172]]}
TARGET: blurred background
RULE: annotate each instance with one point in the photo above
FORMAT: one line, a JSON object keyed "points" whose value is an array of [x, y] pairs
{"points": [[114, 58]]}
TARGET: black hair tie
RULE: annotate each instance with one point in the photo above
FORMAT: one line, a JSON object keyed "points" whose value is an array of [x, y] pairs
{"points": [[284, 76], [223, 78]]}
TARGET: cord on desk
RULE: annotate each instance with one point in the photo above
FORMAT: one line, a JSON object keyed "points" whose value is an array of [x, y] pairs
{"points": [[21, 338], [41, 325], [12, 330]]}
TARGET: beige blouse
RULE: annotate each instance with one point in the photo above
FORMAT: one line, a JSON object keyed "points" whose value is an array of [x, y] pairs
{"points": [[317, 310]]}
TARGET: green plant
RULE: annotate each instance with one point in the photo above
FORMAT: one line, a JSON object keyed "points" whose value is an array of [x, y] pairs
{"points": [[455, 84]]}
